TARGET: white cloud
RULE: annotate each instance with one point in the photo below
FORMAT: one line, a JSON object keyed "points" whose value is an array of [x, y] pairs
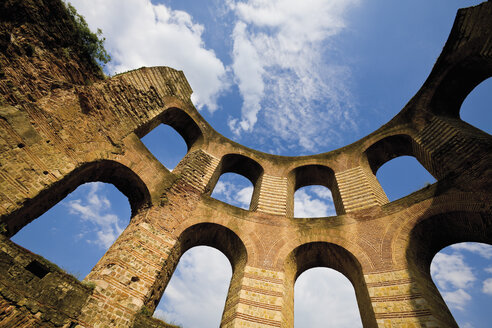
{"points": [[308, 206], [196, 294], [232, 190], [451, 271], [483, 250], [95, 209], [244, 195], [487, 286], [282, 66], [325, 298], [457, 299], [489, 269], [139, 33]]}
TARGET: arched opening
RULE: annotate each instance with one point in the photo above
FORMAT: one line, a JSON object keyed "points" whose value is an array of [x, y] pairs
{"points": [[166, 144], [476, 107], [234, 188], [463, 275], [321, 178], [170, 136], [313, 201], [328, 255], [457, 84], [197, 291], [325, 298], [402, 176], [431, 235], [123, 178], [394, 162], [203, 234], [76, 232]]}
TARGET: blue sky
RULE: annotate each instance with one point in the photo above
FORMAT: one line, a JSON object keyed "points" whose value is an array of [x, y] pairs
{"points": [[285, 77]]}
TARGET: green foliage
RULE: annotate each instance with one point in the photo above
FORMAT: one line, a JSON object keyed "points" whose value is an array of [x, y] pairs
{"points": [[91, 44], [145, 311]]}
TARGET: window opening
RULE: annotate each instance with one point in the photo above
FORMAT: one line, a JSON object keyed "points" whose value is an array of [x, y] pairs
{"points": [[463, 274], [402, 176], [475, 110], [75, 233], [197, 291], [313, 201], [324, 297], [234, 189], [166, 144]]}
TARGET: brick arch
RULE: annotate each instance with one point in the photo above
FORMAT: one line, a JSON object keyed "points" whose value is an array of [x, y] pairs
{"points": [[242, 165], [458, 83], [325, 254], [209, 234], [313, 174], [122, 177], [447, 217], [341, 239], [187, 127], [428, 236]]}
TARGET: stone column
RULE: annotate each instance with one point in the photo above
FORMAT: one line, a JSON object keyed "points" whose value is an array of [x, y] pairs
{"points": [[359, 189], [255, 299]]}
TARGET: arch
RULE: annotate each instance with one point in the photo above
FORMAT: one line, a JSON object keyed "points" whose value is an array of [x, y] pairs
{"points": [[325, 254], [180, 121], [201, 234], [313, 174], [457, 84], [393, 146], [196, 293], [475, 108], [122, 177], [242, 165], [432, 234]]}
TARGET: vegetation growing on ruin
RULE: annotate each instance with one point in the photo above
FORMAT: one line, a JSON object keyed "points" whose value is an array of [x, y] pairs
{"points": [[91, 44]]}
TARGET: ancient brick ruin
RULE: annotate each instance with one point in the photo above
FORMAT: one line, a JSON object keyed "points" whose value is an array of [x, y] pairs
{"points": [[62, 125]]}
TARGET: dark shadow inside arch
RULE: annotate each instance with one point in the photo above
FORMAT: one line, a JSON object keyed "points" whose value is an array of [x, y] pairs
{"points": [[388, 148], [309, 175], [431, 235], [475, 110], [107, 171], [180, 121], [324, 254], [242, 165], [458, 83], [202, 234]]}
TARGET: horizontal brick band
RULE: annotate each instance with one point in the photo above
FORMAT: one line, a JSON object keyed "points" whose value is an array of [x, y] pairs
{"points": [[403, 314], [250, 318]]}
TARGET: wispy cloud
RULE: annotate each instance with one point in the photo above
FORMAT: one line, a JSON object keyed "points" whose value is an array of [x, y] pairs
{"points": [[487, 286], [140, 33], [282, 65], [233, 193], [95, 209], [453, 275], [483, 250]]}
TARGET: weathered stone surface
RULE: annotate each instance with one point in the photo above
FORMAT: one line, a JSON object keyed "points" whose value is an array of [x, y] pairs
{"points": [[62, 125]]}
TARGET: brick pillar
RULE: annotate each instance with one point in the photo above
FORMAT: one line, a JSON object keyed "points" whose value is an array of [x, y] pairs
{"points": [[255, 299], [400, 299], [126, 273], [272, 198], [443, 147], [359, 189]]}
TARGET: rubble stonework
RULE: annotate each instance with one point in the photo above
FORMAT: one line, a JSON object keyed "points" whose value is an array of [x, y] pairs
{"points": [[62, 125]]}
